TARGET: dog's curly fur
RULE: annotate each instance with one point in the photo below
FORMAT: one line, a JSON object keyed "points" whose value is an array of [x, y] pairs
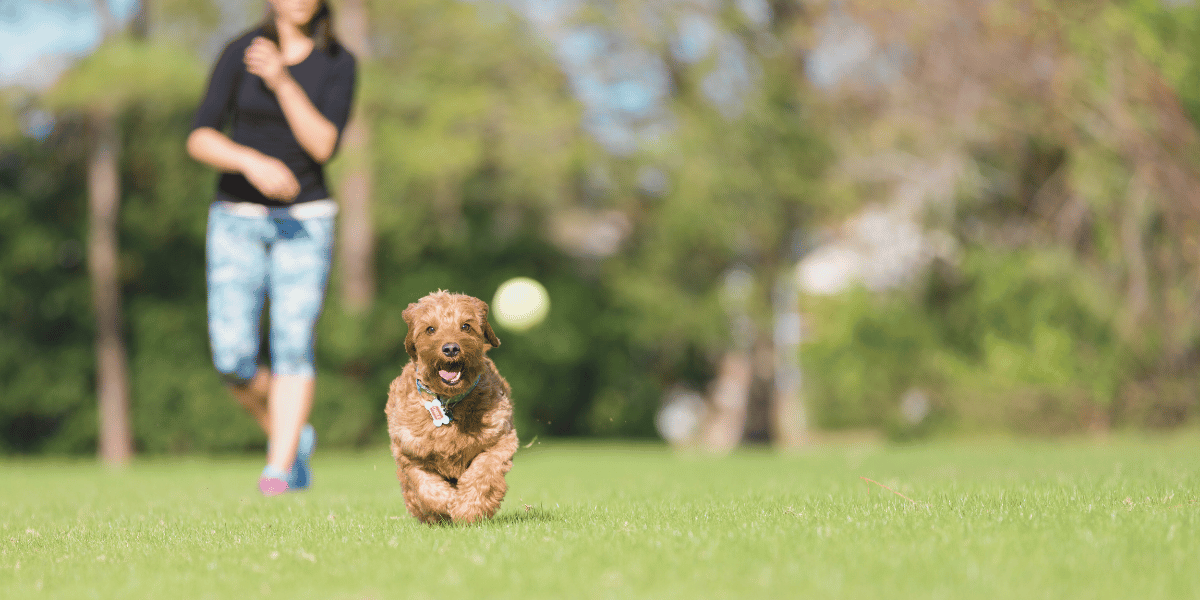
{"points": [[454, 472]]}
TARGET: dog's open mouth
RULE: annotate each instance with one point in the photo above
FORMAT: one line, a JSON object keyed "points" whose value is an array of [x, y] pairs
{"points": [[451, 375]]}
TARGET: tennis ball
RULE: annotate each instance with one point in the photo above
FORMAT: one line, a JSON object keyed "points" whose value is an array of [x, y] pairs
{"points": [[520, 304]]}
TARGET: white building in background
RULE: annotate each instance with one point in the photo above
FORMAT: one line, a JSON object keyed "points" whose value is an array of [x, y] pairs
{"points": [[881, 248], [889, 245]]}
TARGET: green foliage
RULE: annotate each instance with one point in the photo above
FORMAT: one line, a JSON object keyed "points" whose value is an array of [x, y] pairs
{"points": [[9, 128], [45, 321], [1166, 33], [1024, 340], [741, 190], [123, 71], [1075, 298], [866, 354]]}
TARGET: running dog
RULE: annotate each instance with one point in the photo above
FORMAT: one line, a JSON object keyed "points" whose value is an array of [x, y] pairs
{"points": [[449, 413]]}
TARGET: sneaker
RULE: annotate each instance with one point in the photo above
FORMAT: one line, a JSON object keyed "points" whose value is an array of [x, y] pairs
{"points": [[271, 482], [301, 475]]}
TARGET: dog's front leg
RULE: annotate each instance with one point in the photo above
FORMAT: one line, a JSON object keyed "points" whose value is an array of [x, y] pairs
{"points": [[428, 496], [481, 487]]}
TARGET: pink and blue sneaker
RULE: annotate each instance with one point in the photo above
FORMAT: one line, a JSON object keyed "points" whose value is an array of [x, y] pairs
{"points": [[272, 482]]}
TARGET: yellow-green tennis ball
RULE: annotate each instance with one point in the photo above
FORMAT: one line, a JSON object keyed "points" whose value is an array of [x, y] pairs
{"points": [[520, 304]]}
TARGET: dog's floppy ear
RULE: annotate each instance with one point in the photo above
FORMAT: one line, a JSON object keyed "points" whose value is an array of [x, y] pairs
{"points": [[481, 309], [410, 338]]}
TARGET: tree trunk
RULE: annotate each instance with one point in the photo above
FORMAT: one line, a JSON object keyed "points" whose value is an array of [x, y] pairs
{"points": [[112, 380], [115, 445], [730, 396], [356, 235], [357, 232], [789, 417]]}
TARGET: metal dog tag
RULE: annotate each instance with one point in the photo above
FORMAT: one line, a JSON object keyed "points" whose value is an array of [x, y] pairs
{"points": [[435, 410]]}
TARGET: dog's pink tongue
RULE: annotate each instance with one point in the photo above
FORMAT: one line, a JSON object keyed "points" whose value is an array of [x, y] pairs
{"points": [[449, 376]]}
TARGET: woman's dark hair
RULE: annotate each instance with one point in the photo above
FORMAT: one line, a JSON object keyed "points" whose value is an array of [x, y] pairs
{"points": [[320, 28]]}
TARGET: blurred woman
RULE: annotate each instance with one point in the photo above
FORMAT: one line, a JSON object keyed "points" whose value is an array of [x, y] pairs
{"points": [[283, 92]]}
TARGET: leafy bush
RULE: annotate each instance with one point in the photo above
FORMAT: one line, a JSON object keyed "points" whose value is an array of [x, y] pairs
{"points": [[1023, 340]]}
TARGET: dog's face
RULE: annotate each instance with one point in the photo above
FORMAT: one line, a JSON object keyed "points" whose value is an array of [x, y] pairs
{"points": [[448, 335]]}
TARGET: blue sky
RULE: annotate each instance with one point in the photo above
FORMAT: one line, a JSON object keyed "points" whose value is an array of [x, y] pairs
{"points": [[32, 29]]}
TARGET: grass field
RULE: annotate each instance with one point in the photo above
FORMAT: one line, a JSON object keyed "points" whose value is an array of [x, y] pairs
{"points": [[1119, 519]]}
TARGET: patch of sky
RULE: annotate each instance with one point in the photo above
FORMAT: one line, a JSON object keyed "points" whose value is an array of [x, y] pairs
{"points": [[843, 45], [757, 12], [37, 124], [582, 45], [728, 83], [589, 88], [546, 13], [695, 38], [31, 30], [633, 97], [620, 84], [645, 69], [615, 135], [847, 49]]}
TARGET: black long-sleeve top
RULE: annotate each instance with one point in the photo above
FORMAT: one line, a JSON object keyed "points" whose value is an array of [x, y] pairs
{"points": [[327, 77]]}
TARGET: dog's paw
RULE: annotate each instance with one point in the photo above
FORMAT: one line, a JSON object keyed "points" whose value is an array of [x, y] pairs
{"points": [[467, 517], [472, 512], [466, 513]]}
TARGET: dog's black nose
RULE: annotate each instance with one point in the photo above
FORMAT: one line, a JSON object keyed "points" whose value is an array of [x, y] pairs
{"points": [[450, 350]]}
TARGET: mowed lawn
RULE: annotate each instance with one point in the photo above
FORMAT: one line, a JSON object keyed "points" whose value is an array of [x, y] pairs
{"points": [[1112, 519]]}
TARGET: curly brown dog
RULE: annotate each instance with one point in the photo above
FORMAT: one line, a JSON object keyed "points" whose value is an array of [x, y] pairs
{"points": [[449, 414]]}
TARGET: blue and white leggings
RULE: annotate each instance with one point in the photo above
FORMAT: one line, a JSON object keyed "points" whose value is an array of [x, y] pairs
{"points": [[255, 253]]}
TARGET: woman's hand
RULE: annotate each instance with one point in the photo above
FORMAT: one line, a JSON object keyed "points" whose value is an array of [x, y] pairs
{"points": [[264, 59], [313, 131], [271, 177]]}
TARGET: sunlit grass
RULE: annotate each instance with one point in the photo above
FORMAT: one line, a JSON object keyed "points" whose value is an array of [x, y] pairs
{"points": [[1009, 520]]}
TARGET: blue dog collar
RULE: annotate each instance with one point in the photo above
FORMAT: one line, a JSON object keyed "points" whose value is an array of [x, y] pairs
{"points": [[439, 409]]}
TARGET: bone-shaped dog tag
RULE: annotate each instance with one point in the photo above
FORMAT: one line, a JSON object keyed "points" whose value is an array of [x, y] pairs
{"points": [[437, 412]]}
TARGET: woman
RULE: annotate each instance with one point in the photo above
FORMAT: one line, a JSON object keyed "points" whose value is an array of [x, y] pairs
{"points": [[285, 90]]}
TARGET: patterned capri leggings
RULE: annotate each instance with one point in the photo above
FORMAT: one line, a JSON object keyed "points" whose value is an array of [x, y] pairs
{"points": [[255, 253]]}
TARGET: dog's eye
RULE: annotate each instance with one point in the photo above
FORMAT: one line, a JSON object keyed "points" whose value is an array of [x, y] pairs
{"points": [[466, 327], [430, 330]]}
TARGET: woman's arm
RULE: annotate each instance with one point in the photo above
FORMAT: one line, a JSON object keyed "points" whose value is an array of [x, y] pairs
{"points": [[316, 134], [208, 145], [273, 178], [216, 150]]}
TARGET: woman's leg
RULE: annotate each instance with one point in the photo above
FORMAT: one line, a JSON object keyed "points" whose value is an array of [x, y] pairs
{"points": [[290, 402], [300, 260], [253, 397], [236, 269]]}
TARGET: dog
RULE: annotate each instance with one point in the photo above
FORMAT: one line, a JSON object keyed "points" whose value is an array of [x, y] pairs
{"points": [[449, 413]]}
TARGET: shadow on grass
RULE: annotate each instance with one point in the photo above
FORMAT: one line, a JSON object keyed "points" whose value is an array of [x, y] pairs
{"points": [[529, 515]]}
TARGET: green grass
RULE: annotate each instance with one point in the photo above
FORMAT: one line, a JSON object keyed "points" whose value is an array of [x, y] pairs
{"points": [[1007, 520]]}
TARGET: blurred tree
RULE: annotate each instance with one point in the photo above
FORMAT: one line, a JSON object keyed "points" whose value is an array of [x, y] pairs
{"points": [[357, 232], [104, 199], [718, 202], [1044, 132], [125, 72]]}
